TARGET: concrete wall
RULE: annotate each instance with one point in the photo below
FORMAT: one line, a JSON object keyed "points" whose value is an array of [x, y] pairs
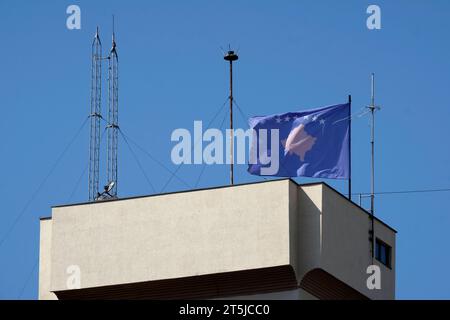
{"points": [[172, 236], [309, 243], [388, 279], [212, 231], [45, 246], [346, 247]]}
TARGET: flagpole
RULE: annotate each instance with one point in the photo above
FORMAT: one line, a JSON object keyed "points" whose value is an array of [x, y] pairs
{"points": [[350, 147], [231, 56]]}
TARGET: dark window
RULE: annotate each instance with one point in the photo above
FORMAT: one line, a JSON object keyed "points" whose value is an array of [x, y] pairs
{"points": [[383, 253]]}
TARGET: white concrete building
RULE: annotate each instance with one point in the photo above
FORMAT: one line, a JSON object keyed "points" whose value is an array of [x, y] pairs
{"points": [[270, 240]]}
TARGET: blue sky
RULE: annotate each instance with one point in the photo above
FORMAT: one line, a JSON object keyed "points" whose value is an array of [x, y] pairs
{"points": [[294, 55]]}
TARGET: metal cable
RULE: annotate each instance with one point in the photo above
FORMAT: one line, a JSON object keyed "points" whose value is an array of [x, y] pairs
{"points": [[204, 165], [403, 192], [155, 160], [36, 263], [137, 161], [82, 174], [195, 144], [36, 192]]}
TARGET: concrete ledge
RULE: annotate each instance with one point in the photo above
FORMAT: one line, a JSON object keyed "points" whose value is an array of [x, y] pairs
{"points": [[246, 282]]}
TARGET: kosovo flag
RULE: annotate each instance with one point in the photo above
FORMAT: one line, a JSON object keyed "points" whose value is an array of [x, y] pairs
{"points": [[313, 143]]}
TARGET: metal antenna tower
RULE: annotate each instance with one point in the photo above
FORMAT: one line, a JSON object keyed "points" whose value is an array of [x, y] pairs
{"points": [[113, 114], [95, 115]]}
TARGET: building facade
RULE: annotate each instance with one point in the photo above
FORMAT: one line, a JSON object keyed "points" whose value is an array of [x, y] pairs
{"points": [[267, 240]]}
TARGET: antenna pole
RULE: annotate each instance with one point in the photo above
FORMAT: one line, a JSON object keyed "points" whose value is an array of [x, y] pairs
{"points": [[231, 56], [372, 144], [95, 115], [372, 109]]}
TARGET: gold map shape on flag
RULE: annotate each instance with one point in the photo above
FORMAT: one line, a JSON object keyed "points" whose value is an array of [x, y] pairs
{"points": [[298, 142]]}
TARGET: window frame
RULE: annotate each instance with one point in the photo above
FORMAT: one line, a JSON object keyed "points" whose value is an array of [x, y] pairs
{"points": [[388, 253]]}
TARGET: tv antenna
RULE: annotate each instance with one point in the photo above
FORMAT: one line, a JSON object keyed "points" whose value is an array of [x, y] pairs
{"points": [[372, 109]]}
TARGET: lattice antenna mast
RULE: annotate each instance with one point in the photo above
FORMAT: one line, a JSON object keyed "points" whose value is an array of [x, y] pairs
{"points": [[95, 115], [113, 117]]}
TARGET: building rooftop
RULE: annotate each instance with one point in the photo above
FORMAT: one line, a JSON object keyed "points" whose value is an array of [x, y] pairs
{"points": [[274, 238], [219, 187]]}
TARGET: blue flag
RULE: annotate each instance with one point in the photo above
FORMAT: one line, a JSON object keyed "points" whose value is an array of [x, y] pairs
{"points": [[313, 143]]}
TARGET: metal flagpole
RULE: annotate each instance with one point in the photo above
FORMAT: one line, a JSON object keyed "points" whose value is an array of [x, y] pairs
{"points": [[231, 56], [350, 147]]}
